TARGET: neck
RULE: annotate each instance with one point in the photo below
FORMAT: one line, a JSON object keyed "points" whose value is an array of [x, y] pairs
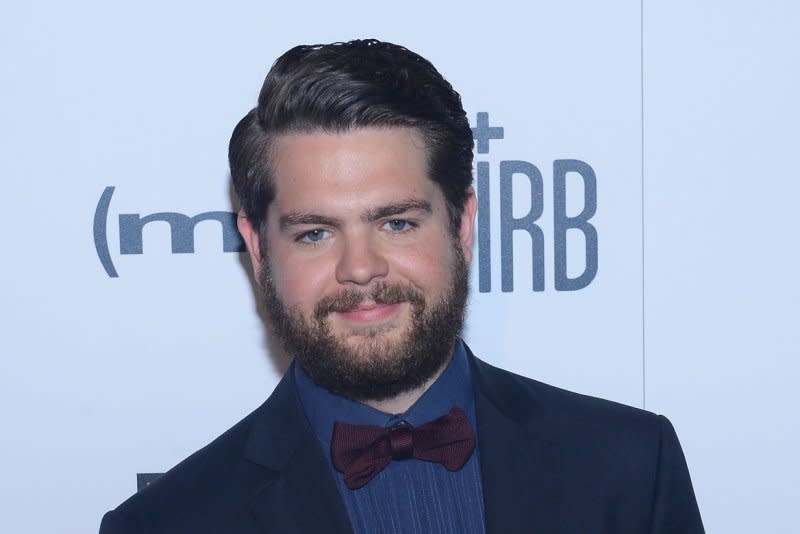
{"points": [[402, 402]]}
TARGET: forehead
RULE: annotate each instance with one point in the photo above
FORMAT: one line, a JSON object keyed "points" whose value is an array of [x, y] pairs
{"points": [[355, 167]]}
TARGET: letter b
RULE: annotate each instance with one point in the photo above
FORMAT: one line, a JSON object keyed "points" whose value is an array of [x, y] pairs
{"points": [[562, 223]]}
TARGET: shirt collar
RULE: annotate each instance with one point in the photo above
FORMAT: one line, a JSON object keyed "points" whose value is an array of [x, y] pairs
{"points": [[323, 408]]}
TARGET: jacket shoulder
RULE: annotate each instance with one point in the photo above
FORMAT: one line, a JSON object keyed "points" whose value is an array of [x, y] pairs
{"points": [[208, 479], [565, 416]]}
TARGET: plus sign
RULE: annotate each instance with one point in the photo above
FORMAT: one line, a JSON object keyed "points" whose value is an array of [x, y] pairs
{"points": [[483, 133]]}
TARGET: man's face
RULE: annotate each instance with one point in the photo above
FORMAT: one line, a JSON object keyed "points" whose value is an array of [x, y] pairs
{"points": [[363, 278]]}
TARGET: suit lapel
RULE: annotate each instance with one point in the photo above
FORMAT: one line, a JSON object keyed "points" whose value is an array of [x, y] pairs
{"points": [[294, 492], [520, 467]]}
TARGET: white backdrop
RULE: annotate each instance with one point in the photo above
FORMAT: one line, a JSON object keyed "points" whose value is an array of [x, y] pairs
{"points": [[685, 113]]}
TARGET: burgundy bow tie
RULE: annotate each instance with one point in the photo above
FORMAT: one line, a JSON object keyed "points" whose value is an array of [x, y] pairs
{"points": [[362, 451]]}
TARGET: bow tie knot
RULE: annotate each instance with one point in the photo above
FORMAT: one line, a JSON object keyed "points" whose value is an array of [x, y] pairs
{"points": [[401, 442], [360, 452]]}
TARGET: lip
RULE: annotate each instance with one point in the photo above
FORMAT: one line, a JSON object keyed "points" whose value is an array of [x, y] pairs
{"points": [[371, 313]]}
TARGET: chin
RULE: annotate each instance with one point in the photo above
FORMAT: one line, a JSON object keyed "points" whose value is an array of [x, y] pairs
{"points": [[374, 339], [392, 328]]}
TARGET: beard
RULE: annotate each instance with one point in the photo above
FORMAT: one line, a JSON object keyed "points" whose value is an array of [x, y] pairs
{"points": [[372, 366]]}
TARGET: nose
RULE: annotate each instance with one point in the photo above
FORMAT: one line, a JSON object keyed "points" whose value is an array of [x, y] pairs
{"points": [[360, 262]]}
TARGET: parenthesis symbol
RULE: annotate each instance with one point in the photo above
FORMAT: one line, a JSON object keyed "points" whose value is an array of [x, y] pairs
{"points": [[100, 233]]}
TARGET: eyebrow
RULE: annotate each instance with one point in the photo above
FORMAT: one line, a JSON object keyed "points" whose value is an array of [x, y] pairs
{"points": [[371, 215], [397, 208], [296, 219]]}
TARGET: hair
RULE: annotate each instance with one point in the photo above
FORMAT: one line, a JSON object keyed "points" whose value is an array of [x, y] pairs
{"points": [[339, 87]]}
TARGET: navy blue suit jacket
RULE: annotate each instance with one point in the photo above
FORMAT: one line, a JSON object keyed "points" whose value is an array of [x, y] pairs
{"points": [[552, 462]]}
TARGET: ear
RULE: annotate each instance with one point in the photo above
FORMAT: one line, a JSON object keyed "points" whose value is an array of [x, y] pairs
{"points": [[466, 232], [251, 240]]}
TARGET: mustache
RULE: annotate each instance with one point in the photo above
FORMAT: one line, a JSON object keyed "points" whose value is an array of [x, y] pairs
{"points": [[381, 293]]}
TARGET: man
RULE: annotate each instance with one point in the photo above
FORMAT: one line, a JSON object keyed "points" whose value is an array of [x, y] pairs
{"points": [[354, 174]]}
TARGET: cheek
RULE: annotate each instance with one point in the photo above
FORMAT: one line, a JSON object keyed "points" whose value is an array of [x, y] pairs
{"points": [[426, 267], [300, 281]]}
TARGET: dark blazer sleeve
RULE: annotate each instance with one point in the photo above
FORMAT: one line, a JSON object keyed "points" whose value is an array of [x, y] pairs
{"points": [[675, 508]]}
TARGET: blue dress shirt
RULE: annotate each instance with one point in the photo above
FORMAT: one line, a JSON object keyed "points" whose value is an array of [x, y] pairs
{"points": [[409, 496]]}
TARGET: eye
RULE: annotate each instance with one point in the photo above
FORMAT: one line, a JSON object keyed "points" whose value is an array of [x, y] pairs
{"points": [[313, 236], [398, 225]]}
